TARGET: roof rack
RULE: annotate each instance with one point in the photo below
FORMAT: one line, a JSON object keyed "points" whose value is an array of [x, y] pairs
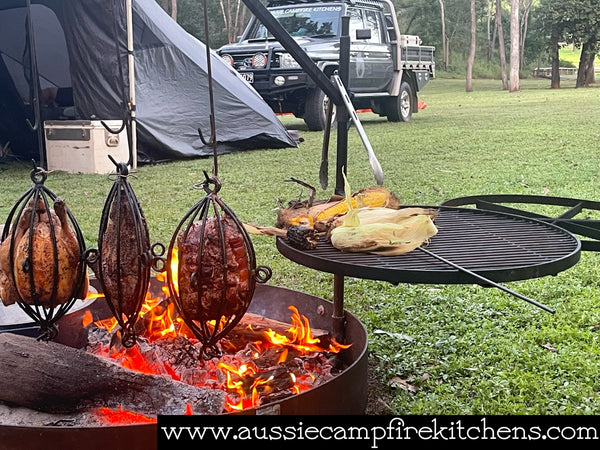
{"points": [[374, 3]]}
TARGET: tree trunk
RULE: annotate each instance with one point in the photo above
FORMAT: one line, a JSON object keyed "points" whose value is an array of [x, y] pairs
{"points": [[471, 59], [514, 46], [585, 73], [242, 21], [174, 10], [494, 37], [555, 77], [170, 7], [490, 32], [524, 23], [501, 48], [444, 40], [591, 78]]}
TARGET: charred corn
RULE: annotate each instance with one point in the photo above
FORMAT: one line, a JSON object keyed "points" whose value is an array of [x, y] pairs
{"points": [[376, 196]]}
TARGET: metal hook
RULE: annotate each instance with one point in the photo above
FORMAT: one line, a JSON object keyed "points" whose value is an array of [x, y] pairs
{"points": [[123, 124], [34, 127]]}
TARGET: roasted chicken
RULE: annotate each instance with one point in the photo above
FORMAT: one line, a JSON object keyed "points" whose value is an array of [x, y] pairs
{"points": [[45, 274]]}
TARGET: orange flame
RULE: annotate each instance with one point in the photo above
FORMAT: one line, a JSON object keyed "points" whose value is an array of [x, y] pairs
{"points": [[87, 318], [174, 269], [302, 338], [243, 383]]}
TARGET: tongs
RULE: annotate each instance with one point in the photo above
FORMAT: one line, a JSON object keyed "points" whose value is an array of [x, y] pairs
{"points": [[363, 136]]}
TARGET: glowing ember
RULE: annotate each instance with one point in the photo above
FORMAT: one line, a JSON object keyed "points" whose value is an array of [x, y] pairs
{"points": [[111, 417]]}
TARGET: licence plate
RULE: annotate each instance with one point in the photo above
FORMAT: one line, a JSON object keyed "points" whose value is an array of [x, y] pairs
{"points": [[248, 76]]}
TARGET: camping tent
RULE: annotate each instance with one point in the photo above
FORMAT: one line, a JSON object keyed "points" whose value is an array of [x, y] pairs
{"points": [[81, 51]]}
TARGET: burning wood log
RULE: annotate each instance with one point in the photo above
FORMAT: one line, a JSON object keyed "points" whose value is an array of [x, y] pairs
{"points": [[260, 323], [51, 377], [252, 327]]}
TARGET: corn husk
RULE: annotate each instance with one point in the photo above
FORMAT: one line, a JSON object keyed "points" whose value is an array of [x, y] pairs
{"points": [[382, 231], [385, 238]]}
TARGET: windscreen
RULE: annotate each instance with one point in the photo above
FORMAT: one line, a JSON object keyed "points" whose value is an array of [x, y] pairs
{"points": [[310, 21]]}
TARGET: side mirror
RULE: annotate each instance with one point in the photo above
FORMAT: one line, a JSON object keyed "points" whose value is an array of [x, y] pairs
{"points": [[363, 34]]}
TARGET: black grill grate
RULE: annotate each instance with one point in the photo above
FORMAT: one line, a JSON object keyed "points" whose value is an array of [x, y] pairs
{"points": [[497, 246]]}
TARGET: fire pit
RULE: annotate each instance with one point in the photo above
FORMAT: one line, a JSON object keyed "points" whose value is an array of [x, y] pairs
{"points": [[344, 394], [68, 383]]}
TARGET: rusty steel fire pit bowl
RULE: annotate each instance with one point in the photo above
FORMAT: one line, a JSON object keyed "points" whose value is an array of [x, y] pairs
{"points": [[345, 394]]}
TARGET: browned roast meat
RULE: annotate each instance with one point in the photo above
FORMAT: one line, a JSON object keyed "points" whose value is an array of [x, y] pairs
{"points": [[209, 288], [121, 258]]}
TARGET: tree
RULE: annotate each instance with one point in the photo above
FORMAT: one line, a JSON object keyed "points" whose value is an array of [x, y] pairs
{"points": [[515, 43], [524, 22], [554, 48], [575, 22], [471, 58], [444, 38], [584, 28], [554, 16], [170, 6], [234, 14], [501, 48], [491, 31], [585, 73]]}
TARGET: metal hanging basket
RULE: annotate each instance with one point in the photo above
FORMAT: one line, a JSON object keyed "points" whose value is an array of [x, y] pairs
{"points": [[41, 257], [213, 280], [125, 258]]}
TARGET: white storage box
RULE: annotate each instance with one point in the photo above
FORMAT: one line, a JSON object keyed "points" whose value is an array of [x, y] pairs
{"points": [[408, 39], [83, 146]]}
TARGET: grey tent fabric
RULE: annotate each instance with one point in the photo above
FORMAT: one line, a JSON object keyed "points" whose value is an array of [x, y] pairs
{"points": [[81, 48]]}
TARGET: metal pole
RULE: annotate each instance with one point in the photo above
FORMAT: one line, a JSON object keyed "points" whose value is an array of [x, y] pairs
{"points": [[342, 115], [338, 316], [131, 63], [487, 280]]}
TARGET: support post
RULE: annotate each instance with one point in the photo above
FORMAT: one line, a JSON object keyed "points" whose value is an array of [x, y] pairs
{"points": [[342, 114]]}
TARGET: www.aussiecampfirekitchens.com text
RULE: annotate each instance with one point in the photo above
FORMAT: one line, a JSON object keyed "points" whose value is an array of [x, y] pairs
{"points": [[376, 432]]}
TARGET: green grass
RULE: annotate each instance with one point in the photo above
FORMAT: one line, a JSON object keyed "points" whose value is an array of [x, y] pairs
{"points": [[468, 349]]}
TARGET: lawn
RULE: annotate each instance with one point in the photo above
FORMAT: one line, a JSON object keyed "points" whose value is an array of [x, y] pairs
{"points": [[434, 349]]}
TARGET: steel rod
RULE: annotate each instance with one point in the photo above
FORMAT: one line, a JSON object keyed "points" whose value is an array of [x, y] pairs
{"points": [[487, 280]]}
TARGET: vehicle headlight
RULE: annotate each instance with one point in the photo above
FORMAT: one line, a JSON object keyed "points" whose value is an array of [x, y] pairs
{"points": [[228, 59], [259, 61], [286, 61]]}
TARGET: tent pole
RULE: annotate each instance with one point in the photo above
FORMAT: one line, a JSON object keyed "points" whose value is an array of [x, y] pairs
{"points": [[130, 60]]}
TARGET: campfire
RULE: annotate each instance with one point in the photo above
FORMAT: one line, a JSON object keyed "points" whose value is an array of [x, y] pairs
{"points": [[263, 360], [222, 345]]}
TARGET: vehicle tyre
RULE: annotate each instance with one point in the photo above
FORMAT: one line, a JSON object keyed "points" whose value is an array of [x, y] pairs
{"points": [[315, 110], [400, 108]]}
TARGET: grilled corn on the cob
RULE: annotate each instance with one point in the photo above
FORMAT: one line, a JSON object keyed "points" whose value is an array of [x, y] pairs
{"points": [[383, 231], [401, 235]]}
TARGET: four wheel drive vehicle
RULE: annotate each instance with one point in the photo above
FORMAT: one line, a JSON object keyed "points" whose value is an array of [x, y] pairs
{"points": [[387, 69]]}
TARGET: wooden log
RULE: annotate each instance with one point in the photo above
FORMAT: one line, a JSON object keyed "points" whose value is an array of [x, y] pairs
{"points": [[52, 377], [261, 323]]}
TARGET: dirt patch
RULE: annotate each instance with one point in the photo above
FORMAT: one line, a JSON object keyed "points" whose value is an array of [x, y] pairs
{"points": [[380, 394]]}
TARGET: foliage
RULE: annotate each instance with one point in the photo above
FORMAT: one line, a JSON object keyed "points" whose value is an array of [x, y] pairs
{"points": [[459, 349], [578, 21]]}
